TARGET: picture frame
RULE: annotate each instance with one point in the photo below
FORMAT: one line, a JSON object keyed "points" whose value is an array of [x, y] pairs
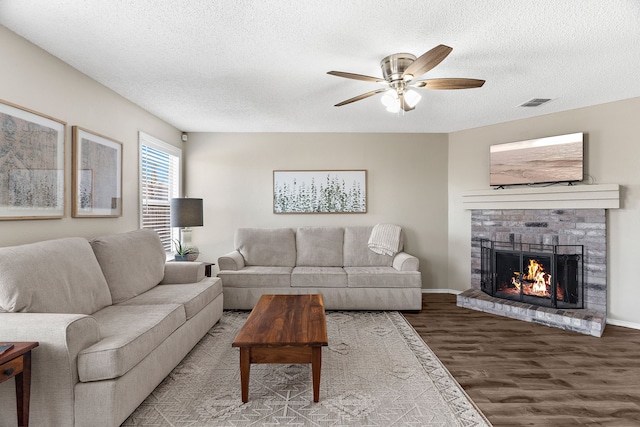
{"points": [[319, 191], [96, 175], [32, 164]]}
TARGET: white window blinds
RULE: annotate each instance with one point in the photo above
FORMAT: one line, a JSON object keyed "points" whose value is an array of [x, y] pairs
{"points": [[159, 183]]}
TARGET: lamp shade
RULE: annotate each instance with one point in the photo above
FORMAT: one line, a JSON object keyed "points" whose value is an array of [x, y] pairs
{"points": [[186, 212], [412, 98]]}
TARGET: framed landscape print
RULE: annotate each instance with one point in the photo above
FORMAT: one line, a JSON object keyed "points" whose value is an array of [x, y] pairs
{"points": [[31, 164], [319, 191], [96, 175]]}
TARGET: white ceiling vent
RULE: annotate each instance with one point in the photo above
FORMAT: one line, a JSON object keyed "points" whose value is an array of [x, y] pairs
{"points": [[535, 102]]}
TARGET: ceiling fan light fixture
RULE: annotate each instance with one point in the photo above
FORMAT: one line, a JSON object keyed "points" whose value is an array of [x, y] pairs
{"points": [[398, 72], [412, 98], [390, 99], [394, 108], [394, 66]]}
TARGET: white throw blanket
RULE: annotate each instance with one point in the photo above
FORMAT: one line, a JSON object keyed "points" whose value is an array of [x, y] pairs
{"points": [[385, 239]]}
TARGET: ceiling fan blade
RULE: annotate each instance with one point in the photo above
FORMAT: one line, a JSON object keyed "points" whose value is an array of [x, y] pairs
{"points": [[451, 83], [360, 97], [404, 105], [427, 61], [356, 76]]}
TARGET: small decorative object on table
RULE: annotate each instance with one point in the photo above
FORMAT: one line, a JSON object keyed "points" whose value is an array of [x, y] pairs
{"points": [[185, 253], [5, 347]]}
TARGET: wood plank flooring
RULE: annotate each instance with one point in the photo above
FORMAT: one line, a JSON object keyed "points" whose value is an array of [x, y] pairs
{"points": [[524, 374]]}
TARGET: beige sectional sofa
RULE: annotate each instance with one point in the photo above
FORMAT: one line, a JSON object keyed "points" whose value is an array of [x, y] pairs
{"points": [[112, 319], [333, 261]]}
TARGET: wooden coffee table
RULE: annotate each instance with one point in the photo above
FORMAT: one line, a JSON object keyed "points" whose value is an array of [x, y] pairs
{"points": [[283, 329]]}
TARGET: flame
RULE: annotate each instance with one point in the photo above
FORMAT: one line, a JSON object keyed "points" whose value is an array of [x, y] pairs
{"points": [[514, 280], [537, 275], [536, 280]]}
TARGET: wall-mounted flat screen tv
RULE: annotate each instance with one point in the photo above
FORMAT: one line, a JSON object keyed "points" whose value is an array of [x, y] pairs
{"points": [[538, 161]]}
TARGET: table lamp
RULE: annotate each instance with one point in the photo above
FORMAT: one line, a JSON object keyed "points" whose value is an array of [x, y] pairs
{"points": [[185, 213]]}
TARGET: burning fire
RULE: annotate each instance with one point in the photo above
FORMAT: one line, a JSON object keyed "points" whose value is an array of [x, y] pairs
{"points": [[536, 281]]}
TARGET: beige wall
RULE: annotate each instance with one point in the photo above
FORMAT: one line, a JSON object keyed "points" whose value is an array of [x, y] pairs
{"points": [[407, 185], [33, 79], [612, 157]]}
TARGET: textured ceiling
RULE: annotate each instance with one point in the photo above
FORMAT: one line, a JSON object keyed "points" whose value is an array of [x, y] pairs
{"points": [[260, 66]]}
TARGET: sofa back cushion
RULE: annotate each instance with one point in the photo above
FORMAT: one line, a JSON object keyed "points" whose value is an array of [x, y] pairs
{"points": [[357, 252], [269, 247], [320, 246], [54, 276], [132, 262]]}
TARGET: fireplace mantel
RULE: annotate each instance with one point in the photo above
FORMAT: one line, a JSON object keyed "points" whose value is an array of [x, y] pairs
{"points": [[602, 196]]}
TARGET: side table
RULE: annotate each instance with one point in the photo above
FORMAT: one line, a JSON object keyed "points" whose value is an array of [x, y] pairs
{"points": [[207, 268], [16, 362]]}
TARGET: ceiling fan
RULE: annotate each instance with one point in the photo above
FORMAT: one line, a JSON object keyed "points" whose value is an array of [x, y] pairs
{"points": [[399, 71]]}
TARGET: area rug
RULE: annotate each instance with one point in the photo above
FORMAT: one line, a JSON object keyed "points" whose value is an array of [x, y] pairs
{"points": [[376, 371]]}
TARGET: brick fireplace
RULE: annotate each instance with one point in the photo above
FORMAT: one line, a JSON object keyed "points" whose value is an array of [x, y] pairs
{"points": [[547, 218]]}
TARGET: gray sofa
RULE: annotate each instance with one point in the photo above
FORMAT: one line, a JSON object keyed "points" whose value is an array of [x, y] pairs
{"points": [[112, 319], [333, 261]]}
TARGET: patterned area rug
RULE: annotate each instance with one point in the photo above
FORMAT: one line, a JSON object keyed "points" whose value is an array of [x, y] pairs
{"points": [[376, 371]]}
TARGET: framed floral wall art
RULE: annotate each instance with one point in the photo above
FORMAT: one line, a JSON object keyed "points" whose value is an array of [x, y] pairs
{"points": [[319, 191], [96, 175], [31, 164]]}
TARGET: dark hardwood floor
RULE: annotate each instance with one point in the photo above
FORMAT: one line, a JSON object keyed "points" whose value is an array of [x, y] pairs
{"points": [[524, 374]]}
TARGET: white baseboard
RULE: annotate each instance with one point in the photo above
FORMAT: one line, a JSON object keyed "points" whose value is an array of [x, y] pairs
{"points": [[613, 322], [622, 323], [441, 291]]}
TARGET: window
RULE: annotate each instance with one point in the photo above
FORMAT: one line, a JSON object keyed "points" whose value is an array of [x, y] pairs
{"points": [[159, 183]]}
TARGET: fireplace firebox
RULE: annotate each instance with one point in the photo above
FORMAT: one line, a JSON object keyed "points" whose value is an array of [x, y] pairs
{"points": [[544, 275]]}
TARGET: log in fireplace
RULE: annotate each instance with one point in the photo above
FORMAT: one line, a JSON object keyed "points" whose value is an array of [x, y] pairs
{"points": [[544, 275]]}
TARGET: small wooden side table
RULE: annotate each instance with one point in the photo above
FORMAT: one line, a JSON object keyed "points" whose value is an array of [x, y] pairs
{"points": [[207, 267], [16, 362]]}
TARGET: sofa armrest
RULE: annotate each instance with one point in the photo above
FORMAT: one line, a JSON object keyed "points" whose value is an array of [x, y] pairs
{"points": [[405, 262], [178, 272], [231, 261], [54, 362]]}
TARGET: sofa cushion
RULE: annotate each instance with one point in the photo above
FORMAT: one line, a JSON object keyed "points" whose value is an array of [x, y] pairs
{"points": [[132, 262], [381, 277], [194, 296], [357, 252], [272, 247], [55, 276], [128, 334], [319, 246], [256, 277], [324, 277]]}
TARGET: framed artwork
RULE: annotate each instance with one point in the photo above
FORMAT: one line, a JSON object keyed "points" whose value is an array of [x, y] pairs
{"points": [[96, 175], [32, 164], [320, 191]]}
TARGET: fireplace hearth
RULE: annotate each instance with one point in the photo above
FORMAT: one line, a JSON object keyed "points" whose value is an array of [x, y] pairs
{"points": [[538, 274], [531, 288]]}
